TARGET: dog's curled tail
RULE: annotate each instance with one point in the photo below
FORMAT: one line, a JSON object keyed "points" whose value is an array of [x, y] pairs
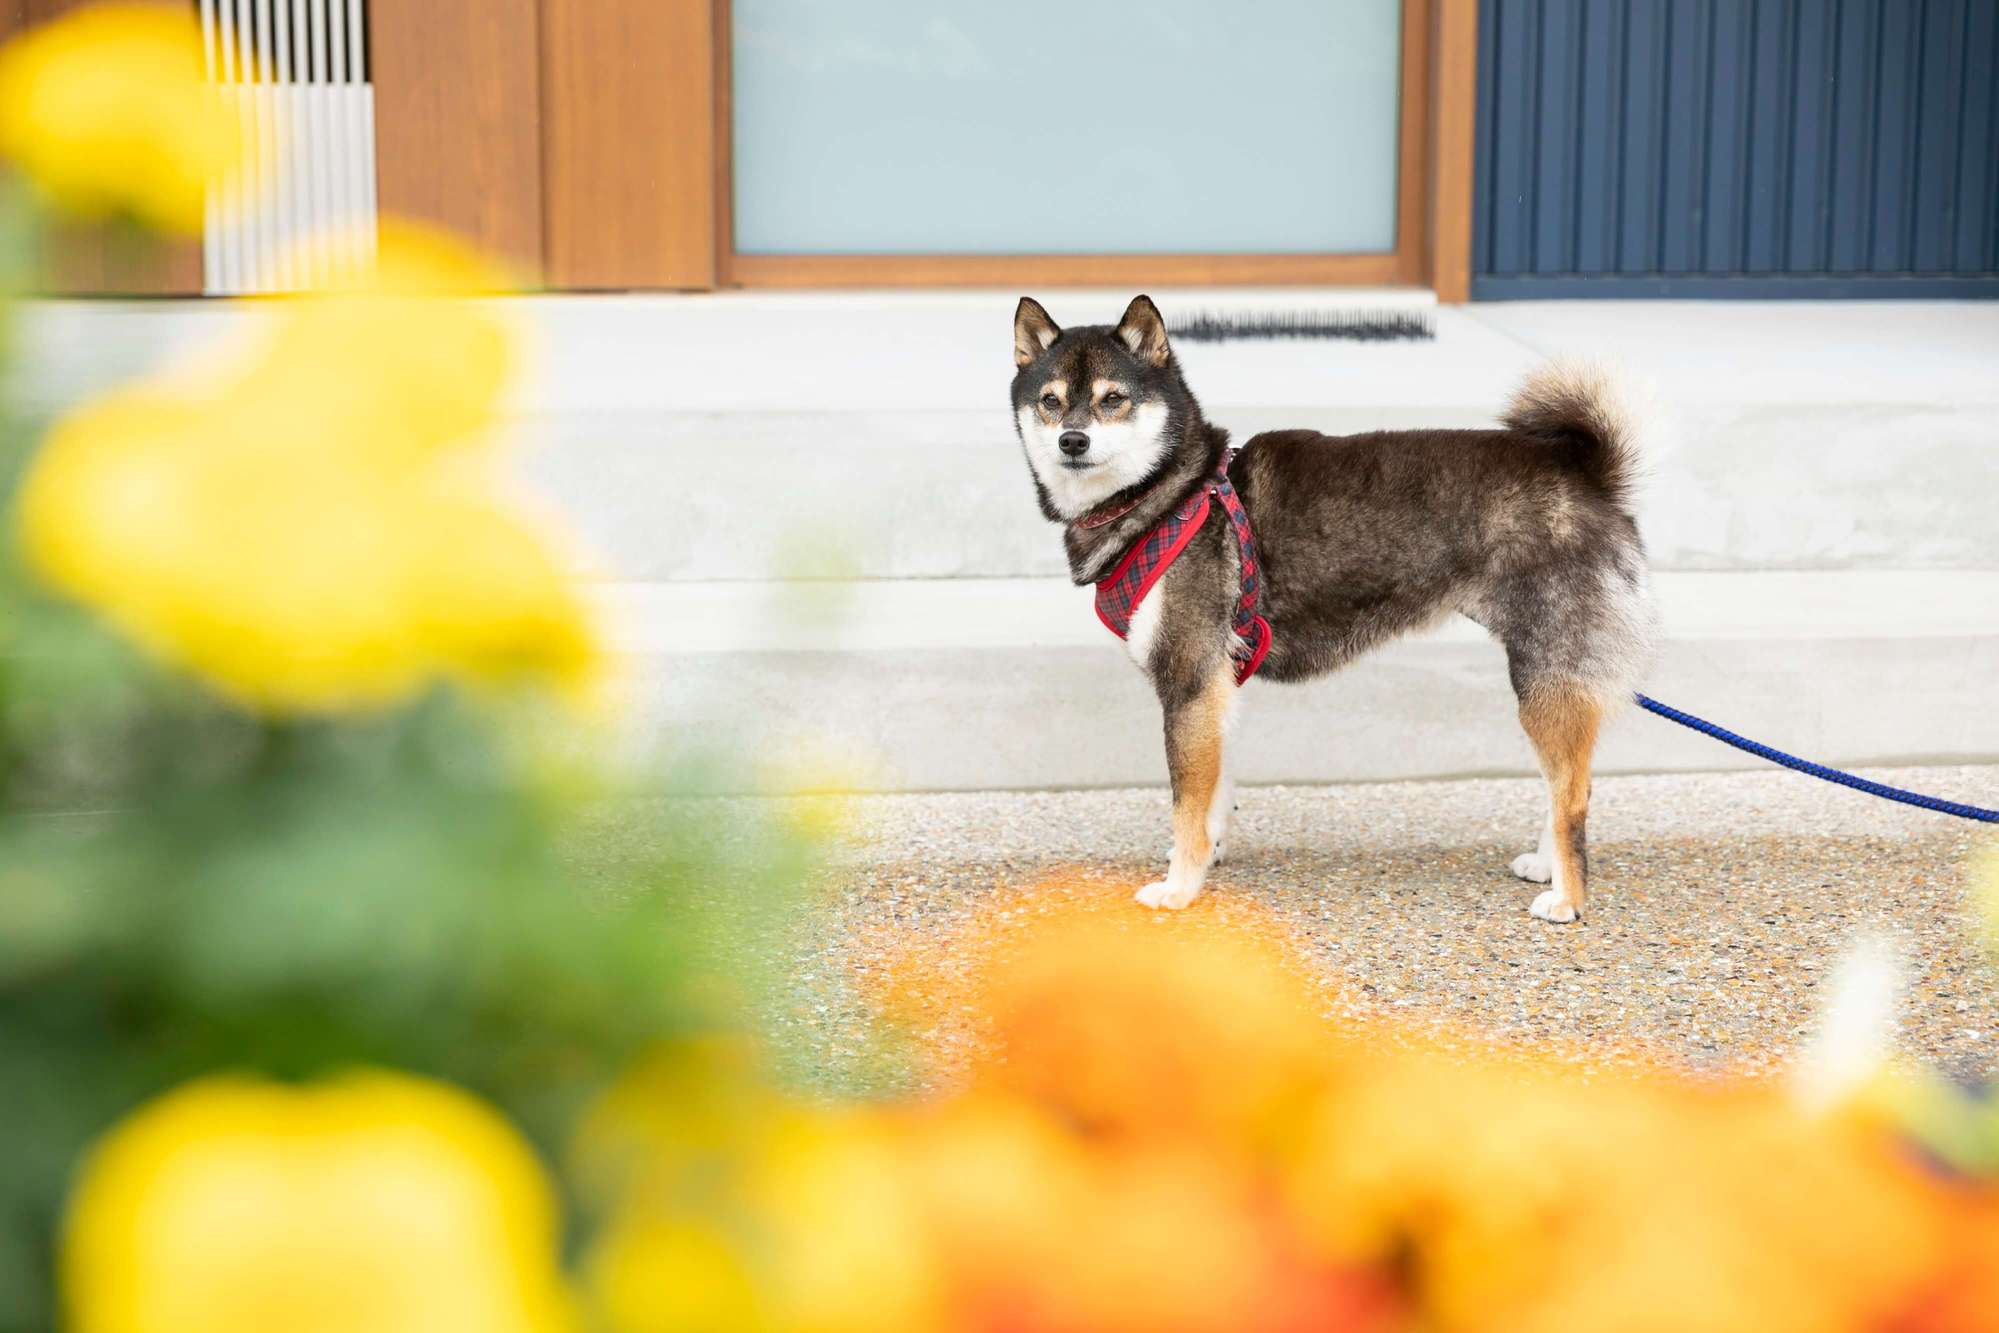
{"points": [[1601, 414]]}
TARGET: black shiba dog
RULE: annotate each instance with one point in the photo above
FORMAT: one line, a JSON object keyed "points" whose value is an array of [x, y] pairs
{"points": [[1527, 530]]}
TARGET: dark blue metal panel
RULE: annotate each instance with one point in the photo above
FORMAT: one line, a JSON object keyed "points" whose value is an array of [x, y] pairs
{"points": [[1769, 134], [1554, 211], [1939, 114], [1739, 287], [1599, 135], [1978, 174], [1517, 29], [1806, 244], [1689, 104], [1647, 67], [1732, 38], [1848, 229], [1894, 135], [1484, 141], [1738, 148]]}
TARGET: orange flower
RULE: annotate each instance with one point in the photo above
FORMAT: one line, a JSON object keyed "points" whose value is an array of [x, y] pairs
{"points": [[1119, 1021], [1538, 1202], [1036, 1229], [1179, 1239], [1161, 1132], [1963, 1297]]}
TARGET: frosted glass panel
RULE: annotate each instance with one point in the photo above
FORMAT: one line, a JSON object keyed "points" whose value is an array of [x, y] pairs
{"points": [[1065, 126]]}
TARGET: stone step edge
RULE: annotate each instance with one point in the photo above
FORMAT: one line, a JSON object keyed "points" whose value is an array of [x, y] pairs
{"points": [[902, 615]]}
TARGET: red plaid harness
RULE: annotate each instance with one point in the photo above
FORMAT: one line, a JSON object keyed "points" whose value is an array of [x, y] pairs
{"points": [[1119, 594]]}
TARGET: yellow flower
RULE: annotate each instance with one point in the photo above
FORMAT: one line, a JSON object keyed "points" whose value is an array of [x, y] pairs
{"points": [[378, 1202], [664, 1150], [107, 112], [1003, 1192], [313, 529], [808, 1224], [850, 1248], [684, 1111], [652, 1274]]}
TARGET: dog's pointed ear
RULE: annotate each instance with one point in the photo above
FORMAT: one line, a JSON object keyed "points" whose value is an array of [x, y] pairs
{"points": [[1033, 331], [1143, 330]]}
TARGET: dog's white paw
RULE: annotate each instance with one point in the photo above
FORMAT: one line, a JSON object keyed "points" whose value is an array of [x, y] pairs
{"points": [[1550, 907], [1161, 893], [1534, 867]]}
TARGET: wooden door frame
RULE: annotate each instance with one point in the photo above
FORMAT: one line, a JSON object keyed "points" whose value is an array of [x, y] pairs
{"points": [[1452, 148], [1433, 199]]}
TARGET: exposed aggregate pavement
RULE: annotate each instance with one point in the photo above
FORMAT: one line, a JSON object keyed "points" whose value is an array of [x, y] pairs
{"points": [[1719, 902]]}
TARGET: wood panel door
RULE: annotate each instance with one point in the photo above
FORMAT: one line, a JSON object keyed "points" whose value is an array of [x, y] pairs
{"points": [[629, 142], [458, 119]]}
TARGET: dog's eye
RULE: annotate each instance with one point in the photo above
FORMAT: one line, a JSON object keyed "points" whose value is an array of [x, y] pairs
{"points": [[1051, 402], [1111, 399]]}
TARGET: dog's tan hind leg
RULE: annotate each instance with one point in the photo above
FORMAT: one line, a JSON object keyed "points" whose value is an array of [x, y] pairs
{"points": [[1562, 723], [1196, 735]]}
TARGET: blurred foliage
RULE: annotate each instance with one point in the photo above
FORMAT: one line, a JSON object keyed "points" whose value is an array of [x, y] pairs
{"points": [[185, 887], [283, 786]]}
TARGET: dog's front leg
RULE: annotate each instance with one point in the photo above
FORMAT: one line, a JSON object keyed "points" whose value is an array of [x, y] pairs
{"points": [[1196, 731]]}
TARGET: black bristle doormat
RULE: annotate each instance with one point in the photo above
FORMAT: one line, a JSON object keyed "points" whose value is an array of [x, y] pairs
{"points": [[1416, 324]]}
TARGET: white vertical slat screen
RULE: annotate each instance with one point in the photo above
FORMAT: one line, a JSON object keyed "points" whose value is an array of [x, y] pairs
{"points": [[305, 207]]}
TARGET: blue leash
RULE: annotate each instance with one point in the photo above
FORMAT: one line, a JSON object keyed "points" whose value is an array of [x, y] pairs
{"points": [[1761, 751]]}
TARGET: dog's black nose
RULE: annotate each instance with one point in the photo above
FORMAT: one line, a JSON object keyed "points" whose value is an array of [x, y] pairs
{"points": [[1074, 443]]}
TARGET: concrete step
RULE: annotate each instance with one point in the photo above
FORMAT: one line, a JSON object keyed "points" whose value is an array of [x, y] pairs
{"points": [[1003, 683], [932, 493]]}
